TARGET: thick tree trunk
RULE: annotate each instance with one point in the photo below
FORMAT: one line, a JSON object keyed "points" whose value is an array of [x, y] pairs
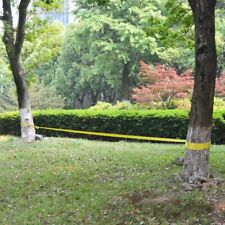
{"points": [[126, 82], [200, 124]]}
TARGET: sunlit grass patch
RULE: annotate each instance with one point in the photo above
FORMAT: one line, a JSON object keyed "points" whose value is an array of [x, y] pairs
{"points": [[4, 138]]}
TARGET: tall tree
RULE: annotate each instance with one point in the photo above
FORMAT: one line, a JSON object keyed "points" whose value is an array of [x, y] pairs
{"points": [[200, 124], [13, 40]]}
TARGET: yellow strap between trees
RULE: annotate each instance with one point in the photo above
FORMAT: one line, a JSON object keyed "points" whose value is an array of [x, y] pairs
{"points": [[146, 138], [197, 146], [188, 145]]}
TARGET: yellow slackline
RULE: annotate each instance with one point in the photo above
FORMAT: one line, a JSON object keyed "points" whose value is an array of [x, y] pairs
{"points": [[188, 145], [27, 125], [115, 135], [197, 146]]}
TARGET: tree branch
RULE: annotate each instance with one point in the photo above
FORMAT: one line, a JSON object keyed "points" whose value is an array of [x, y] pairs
{"points": [[8, 37], [21, 26], [7, 12]]}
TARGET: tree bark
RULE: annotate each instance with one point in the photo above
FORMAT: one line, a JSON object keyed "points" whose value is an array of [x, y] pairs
{"points": [[13, 49], [200, 123], [94, 97], [26, 118], [81, 100], [126, 82]]}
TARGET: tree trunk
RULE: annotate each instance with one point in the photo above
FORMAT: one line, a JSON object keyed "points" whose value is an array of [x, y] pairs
{"points": [[109, 95], [26, 118], [14, 44], [94, 97], [81, 100], [126, 82], [200, 123]]}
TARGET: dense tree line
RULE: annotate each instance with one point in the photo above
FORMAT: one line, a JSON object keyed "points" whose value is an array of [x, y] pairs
{"points": [[96, 58]]}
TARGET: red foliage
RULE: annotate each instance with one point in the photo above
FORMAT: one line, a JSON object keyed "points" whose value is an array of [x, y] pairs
{"points": [[220, 86], [162, 84]]}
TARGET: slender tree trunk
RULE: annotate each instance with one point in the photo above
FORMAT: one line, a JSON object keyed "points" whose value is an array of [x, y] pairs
{"points": [[26, 118], [13, 41], [200, 124], [94, 97], [109, 95], [81, 100], [126, 82]]}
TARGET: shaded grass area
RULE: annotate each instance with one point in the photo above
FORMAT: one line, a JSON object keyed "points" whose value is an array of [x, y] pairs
{"points": [[74, 181]]}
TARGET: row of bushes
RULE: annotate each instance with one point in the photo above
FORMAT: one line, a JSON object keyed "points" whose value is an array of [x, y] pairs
{"points": [[157, 123]]}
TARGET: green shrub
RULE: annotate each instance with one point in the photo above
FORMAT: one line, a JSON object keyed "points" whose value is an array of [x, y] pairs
{"points": [[101, 105], [219, 103], [156, 123], [124, 105], [118, 106]]}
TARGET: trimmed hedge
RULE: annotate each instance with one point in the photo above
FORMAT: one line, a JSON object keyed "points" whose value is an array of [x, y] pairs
{"points": [[156, 123]]}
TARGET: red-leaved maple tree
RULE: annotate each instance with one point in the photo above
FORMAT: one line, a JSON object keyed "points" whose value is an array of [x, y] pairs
{"points": [[220, 86], [162, 84]]}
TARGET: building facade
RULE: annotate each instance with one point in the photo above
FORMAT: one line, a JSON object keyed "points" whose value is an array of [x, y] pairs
{"points": [[64, 15]]}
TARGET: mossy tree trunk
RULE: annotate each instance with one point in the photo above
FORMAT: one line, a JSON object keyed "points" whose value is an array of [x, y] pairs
{"points": [[200, 124]]}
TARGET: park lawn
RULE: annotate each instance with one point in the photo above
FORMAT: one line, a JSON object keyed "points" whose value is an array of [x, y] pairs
{"points": [[75, 181]]}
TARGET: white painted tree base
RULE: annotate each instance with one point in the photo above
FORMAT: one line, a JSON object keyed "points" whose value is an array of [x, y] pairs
{"points": [[196, 169], [27, 125]]}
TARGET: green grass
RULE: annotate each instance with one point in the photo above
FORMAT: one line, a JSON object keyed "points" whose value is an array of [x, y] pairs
{"points": [[74, 181]]}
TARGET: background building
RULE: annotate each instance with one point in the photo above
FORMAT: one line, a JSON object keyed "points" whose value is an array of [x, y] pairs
{"points": [[63, 15]]}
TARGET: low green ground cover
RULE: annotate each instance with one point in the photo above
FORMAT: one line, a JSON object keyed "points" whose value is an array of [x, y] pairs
{"points": [[74, 181]]}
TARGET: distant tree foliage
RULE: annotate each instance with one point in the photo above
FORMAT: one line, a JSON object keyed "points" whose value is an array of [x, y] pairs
{"points": [[98, 60], [41, 48], [100, 55], [43, 97]]}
